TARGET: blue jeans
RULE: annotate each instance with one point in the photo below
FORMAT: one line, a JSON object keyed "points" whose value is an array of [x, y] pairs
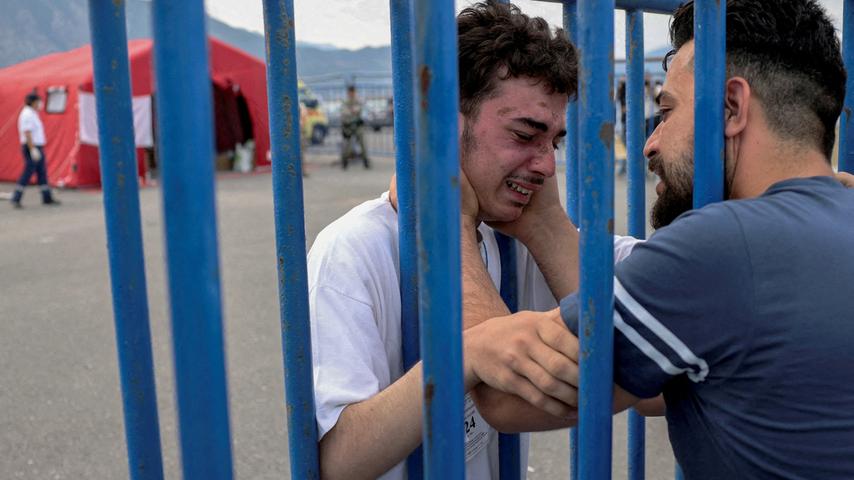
{"points": [[30, 167]]}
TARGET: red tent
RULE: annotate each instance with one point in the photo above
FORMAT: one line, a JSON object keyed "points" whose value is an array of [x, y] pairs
{"points": [[240, 101]]}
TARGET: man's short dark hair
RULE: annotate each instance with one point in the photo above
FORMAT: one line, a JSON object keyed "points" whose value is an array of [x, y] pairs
{"points": [[789, 53], [31, 98], [498, 42]]}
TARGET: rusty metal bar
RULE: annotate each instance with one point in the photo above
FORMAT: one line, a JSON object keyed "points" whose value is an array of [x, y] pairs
{"points": [[186, 146], [438, 230], [124, 237], [283, 105], [596, 246]]}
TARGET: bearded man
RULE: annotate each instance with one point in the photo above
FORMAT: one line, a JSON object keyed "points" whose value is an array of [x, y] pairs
{"points": [[737, 311]]}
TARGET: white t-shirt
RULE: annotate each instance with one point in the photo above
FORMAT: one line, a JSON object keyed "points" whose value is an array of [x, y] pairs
{"points": [[29, 121], [354, 300]]}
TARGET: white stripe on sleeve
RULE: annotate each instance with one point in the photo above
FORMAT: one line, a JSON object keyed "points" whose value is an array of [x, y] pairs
{"points": [[701, 370]]}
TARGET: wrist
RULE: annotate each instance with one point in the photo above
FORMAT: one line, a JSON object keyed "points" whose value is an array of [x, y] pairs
{"points": [[468, 222], [470, 377], [555, 227]]}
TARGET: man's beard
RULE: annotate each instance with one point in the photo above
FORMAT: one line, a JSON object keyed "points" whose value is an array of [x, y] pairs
{"points": [[678, 195]]}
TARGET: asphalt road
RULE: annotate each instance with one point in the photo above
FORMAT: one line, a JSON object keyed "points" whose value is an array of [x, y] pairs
{"points": [[60, 406]]}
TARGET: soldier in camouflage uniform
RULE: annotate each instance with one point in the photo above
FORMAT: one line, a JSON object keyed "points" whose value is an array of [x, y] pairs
{"points": [[351, 129]]}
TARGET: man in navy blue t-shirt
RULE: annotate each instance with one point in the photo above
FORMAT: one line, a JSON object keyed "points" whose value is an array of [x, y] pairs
{"points": [[741, 313]]}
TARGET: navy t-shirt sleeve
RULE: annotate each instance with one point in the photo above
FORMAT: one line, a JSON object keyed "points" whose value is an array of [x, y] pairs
{"points": [[681, 304]]}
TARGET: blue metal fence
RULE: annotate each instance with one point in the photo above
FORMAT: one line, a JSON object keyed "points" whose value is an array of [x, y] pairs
{"points": [[124, 237], [709, 58], [438, 231], [846, 127], [404, 141], [282, 97], [425, 77], [186, 146], [595, 249], [635, 128]]}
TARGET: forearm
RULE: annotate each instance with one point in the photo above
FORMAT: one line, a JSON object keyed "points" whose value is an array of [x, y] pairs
{"points": [[29, 140], [374, 435], [511, 414], [481, 300], [651, 407], [554, 246], [505, 412]]}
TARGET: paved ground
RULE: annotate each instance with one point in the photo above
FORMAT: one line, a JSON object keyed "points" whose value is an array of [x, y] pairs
{"points": [[60, 410]]}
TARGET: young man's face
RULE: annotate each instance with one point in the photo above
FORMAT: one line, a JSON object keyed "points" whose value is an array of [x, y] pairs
{"points": [[508, 148], [670, 148]]}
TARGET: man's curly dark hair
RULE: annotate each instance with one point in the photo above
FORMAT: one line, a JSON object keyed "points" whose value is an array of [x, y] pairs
{"points": [[789, 53], [497, 42]]}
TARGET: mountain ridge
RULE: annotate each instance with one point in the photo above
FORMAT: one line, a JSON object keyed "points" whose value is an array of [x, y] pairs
{"points": [[38, 27]]}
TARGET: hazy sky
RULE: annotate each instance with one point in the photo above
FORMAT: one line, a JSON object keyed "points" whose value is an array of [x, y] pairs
{"points": [[358, 23]]}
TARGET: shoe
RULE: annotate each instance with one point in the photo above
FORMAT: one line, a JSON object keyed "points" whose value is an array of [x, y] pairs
{"points": [[17, 205], [52, 203]]}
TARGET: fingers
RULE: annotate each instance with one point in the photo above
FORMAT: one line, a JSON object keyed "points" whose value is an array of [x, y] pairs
{"points": [[555, 334], [522, 387], [540, 355], [556, 365], [527, 354], [547, 382]]}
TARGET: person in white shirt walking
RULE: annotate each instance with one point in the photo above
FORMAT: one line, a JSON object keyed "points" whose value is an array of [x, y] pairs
{"points": [[32, 138]]}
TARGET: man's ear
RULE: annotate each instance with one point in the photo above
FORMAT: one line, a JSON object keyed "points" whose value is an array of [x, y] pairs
{"points": [[461, 123], [736, 106]]}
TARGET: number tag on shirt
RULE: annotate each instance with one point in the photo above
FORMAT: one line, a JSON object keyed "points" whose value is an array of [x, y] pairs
{"points": [[476, 430]]}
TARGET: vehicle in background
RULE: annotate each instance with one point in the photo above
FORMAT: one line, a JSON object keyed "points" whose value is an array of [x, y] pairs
{"points": [[379, 113], [332, 109], [313, 124]]}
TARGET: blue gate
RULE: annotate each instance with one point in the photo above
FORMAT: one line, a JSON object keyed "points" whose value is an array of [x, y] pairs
{"points": [[425, 116]]}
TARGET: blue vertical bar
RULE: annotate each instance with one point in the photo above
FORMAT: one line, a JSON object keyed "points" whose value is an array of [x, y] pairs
{"points": [[637, 445], [710, 59], [283, 105], [665, 7], [635, 127], [509, 454], [679, 475], [508, 444], [635, 136], [124, 237], [186, 149], [570, 24], [438, 204], [596, 246], [404, 146], [846, 127], [573, 182]]}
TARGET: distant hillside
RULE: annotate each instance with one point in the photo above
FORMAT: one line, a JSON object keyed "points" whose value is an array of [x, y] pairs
{"points": [[32, 28]]}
